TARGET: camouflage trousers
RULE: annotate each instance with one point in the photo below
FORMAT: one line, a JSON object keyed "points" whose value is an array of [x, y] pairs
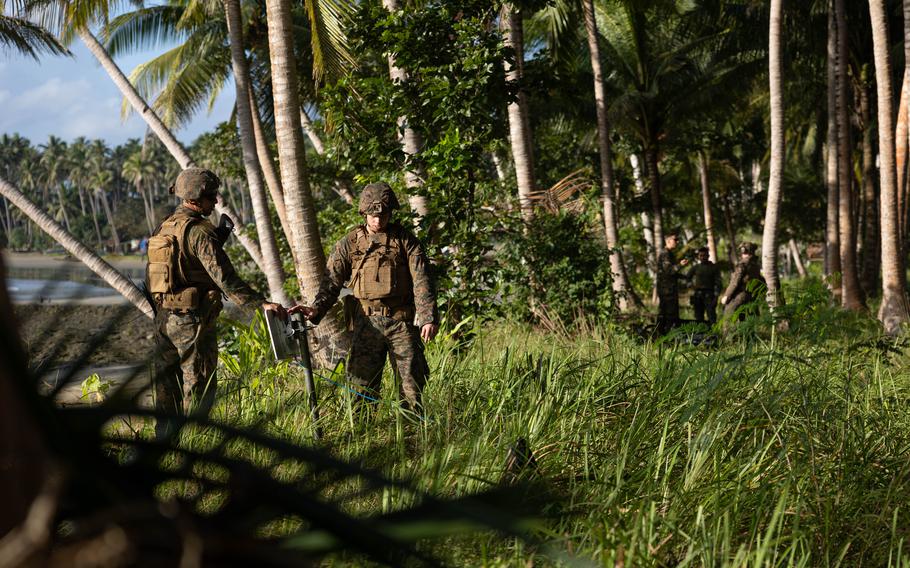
{"points": [[188, 356], [667, 311], [374, 338], [704, 303]]}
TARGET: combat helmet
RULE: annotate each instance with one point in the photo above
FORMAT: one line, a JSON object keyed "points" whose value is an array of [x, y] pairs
{"points": [[194, 183], [747, 248], [377, 198]]}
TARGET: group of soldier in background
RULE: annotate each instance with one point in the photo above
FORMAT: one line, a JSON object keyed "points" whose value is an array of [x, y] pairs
{"points": [[705, 280]]}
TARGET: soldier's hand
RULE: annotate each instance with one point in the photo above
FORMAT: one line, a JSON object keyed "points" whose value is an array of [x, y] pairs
{"points": [[307, 311], [684, 262], [278, 308], [429, 331], [723, 300]]}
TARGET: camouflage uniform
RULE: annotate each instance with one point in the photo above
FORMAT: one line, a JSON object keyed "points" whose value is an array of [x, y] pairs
{"points": [[393, 298], [737, 292], [705, 278], [187, 338], [668, 277]]}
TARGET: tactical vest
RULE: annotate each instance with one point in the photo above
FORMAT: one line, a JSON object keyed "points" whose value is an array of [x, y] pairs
{"points": [[379, 268], [171, 278]]}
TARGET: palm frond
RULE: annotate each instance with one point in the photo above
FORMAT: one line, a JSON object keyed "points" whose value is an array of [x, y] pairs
{"points": [[142, 29], [331, 57], [28, 38]]}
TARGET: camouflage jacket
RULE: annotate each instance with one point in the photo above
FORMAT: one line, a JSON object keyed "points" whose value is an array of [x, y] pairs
{"points": [[668, 275], [743, 273], [705, 276], [350, 253], [204, 254]]}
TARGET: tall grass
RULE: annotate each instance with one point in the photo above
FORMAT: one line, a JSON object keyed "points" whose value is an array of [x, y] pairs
{"points": [[772, 449]]}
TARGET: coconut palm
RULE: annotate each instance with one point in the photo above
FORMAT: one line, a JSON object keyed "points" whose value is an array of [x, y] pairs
{"points": [[851, 297], [309, 257], [520, 137], [621, 285], [53, 160], [26, 37], [274, 268], [893, 312], [137, 169], [775, 179], [108, 273], [832, 226]]}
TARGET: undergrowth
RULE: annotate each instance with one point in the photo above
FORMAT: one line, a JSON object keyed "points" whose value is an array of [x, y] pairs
{"points": [[769, 448]]}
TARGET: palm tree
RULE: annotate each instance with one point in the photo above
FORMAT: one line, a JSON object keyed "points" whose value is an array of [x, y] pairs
{"points": [[852, 293], [27, 38], [101, 179], [411, 140], [274, 270], [621, 285], [775, 179], [520, 137], [832, 226], [137, 169], [99, 266], [53, 159], [309, 257], [893, 312], [706, 205]]}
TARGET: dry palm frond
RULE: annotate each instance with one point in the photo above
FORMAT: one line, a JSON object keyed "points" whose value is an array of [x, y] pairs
{"points": [[564, 194]]}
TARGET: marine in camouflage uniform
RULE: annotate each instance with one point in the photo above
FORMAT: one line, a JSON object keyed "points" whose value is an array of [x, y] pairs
{"points": [[186, 335], [705, 279], [746, 270], [668, 277], [394, 303]]}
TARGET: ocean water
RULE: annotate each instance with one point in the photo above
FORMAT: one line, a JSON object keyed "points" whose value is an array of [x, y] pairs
{"points": [[29, 290]]}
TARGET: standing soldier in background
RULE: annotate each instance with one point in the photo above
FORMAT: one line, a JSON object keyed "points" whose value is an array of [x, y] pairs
{"points": [[668, 277], [386, 269], [186, 275], [705, 278], [738, 293]]}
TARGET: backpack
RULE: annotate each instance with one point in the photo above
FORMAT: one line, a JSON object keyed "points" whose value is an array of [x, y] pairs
{"points": [[165, 273]]}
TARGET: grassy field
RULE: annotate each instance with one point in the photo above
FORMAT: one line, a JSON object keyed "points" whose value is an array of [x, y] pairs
{"points": [[768, 449]]}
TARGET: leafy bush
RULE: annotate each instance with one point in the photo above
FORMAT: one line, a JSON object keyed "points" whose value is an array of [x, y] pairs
{"points": [[556, 268]]}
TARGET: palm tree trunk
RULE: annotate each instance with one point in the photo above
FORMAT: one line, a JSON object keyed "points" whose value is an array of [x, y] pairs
{"points": [[646, 226], [797, 258], [94, 207], [161, 131], [903, 132], [832, 226], [775, 177], [519, 130], [893, 312], [657, 217], [852, 295], [870, 235], [268, 167], [62, 200], [110, 219], [341, 186], [305, 240], [307, 123], [274, 269], [706, 206], [99, 266], [622, 288], [411, 140]]}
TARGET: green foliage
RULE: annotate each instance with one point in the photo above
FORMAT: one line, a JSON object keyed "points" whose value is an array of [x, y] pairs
{"points": [[567, 266]]}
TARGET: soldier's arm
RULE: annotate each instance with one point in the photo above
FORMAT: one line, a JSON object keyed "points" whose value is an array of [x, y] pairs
{"points": [[337, 272], [424, 291], [204, 244]]}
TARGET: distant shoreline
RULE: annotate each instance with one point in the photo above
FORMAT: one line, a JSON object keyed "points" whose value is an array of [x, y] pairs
{"points": [[38, 260]]}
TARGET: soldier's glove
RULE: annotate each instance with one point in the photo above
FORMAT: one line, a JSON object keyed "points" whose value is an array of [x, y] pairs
{"points": [[224, 229]]}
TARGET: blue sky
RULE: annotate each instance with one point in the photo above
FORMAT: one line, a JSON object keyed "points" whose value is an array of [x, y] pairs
{"points": [[73, 96]]}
